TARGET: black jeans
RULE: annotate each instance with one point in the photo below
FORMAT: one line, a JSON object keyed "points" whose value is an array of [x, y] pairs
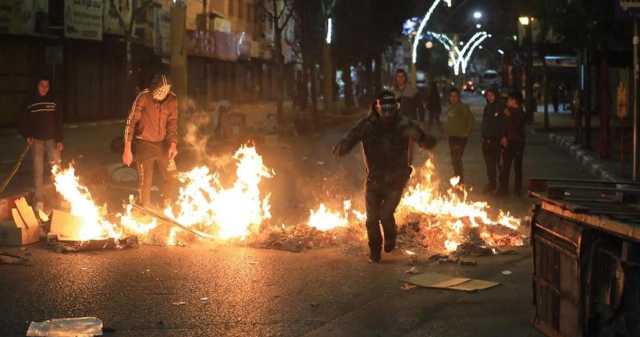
{"points": [[147, 155], [512, 155], [381, 202], [491, 154], [457, 146]]}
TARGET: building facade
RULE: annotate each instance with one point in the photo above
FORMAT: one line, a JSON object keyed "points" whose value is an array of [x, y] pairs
{"points": [[98, 58]]}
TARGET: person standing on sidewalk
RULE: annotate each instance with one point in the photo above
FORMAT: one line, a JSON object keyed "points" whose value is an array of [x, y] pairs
{"points": [[411, 105], [41, 126], [386, 137], [513, 142], [458, 127], [152, 129], [492, 131]]}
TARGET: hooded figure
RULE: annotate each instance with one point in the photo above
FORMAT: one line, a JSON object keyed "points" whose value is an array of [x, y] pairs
{"points": [[41, 125], [386, 137], [152, 127]]}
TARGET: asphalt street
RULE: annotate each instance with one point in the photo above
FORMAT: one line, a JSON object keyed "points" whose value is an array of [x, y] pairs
{"points": [[223, 290]]}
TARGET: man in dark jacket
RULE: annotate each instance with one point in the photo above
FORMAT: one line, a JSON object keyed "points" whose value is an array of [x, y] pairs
{"points": [[152, 127], [385, 137], [411, 105], [41, 125], [513, 142], [492, 131]]}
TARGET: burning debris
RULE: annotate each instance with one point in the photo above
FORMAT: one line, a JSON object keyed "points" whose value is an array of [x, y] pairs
{"points": [[236, 209]]}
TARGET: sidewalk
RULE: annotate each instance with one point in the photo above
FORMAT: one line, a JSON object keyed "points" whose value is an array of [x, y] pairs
{"points": [[562, 133]]}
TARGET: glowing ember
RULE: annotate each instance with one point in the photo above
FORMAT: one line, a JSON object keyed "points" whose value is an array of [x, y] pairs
{"points": [[93, 224], [229, 212]]}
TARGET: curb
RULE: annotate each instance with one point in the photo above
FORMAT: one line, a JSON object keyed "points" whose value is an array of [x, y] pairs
{"points": [[584, 157]]}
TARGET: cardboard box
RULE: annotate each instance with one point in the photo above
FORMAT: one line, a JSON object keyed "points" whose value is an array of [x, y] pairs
{"points": [[66, 226], [7, 202], [17, 232]]}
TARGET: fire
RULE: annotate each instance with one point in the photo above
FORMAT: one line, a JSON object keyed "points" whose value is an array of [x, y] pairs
{"points": [[93, 224], [324, 219], [233, 212], [453, 212], [240, 209]]}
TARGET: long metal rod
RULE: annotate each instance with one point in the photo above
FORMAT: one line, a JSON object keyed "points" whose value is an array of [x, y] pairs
{"points": [[636, 86], [173, 222]]}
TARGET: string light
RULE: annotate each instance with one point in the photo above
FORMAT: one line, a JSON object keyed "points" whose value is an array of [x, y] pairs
{"points": [[329, 30], [423, 24]]}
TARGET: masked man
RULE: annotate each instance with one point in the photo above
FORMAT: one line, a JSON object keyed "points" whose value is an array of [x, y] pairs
{"points": [[152, 127], [385, 137]]}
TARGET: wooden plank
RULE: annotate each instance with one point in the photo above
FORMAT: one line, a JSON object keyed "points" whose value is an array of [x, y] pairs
{"points": [[66, 226], [17, 218], [27, 213]]}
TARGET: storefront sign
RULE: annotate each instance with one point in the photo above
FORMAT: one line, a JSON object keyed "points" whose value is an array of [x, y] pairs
{"points": [[83, 19], [20, 17]]}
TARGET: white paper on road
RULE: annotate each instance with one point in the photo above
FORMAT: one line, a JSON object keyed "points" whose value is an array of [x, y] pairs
{"points": [[66, 327]]}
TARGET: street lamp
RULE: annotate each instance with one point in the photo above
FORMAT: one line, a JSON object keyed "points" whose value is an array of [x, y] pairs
{"points": [[478, 26], [527, 22], [477, 15]]}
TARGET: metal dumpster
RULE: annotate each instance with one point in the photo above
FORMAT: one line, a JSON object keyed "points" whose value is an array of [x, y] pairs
{"points": [[586, 246]]}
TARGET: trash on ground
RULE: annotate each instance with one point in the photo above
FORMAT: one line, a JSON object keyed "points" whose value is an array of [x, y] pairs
{"points": [[507, 272], [6, 258], [413, 270], [67, 327], [407, 286], [441, 281], [179, 303]]}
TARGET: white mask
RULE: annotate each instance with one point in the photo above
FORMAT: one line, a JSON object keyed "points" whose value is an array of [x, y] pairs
{"points": [[161, 93]]}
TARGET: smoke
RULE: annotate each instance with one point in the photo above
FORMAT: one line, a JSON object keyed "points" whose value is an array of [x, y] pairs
{"points": [[200, 134]]}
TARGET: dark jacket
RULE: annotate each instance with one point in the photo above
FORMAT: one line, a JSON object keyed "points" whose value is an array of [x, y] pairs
{"points": [[151, 120], [515, 125], [41, 118], [493, 120], [410, 102], [386, 147]]}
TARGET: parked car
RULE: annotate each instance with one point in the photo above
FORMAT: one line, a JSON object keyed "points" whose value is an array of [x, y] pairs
{"points": [[490, 79]]}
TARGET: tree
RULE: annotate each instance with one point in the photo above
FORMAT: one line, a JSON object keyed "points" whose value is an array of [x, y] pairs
{"points": [[279, 13], [127, 22]]}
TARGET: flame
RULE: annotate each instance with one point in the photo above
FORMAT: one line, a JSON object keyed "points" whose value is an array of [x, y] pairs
{"points": [[453, 212], [324, 219], [231, 212], [93, 224]]}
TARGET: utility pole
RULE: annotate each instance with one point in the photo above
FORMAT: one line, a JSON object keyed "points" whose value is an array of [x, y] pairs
{"points": [[529, 89], [179, 55], [636, 86]]}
